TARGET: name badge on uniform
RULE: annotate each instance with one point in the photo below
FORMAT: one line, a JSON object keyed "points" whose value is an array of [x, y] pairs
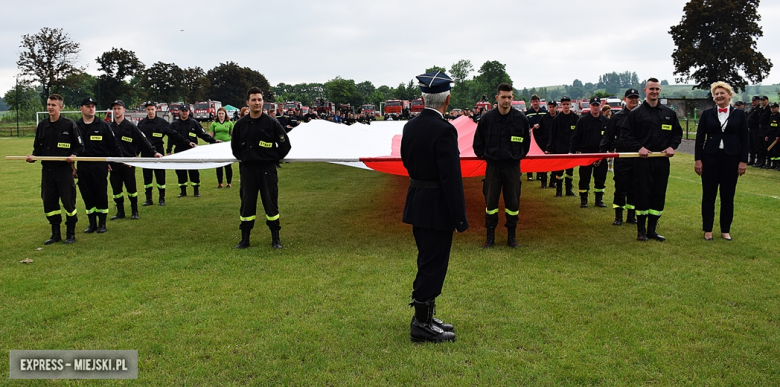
{"points": [[155, 134], [96, 138], [193, 134], [128, 139], [773, 124], [573, 126], [666, 127], [63, 145], [517, 139], [602, 132], [266, 144]]}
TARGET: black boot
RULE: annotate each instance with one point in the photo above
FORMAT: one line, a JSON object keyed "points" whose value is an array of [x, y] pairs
{"points": [[559, 189], [652, 223], [101, 223], [583, 200], [120, 212], [92, 224], [134, 208], [244, 239], [618, 217], [544, 183], [183, 192], [162, 197], [275, 242], [197, 191], [423, 328], [600, 200], [70, 234], [569, 192], [641, 232], [55, 235], [510, 238], [148, 201], [491, 238], [631, 217], [752, 160], [765, 164]]}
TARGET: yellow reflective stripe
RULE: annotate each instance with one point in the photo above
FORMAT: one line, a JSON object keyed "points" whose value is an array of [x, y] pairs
{"points": [[161, 186], [598, 190], [666, 127], [513, 213], [117, 196], [630, 207], [193, 134], [654, 212], [195, 184], [248, 218], [148, 185], [182, 184], [583, 191], [72, 213], [491, 212], [517, 139], [102, 211], [132, 195], [573, 126], [570, 176], [641, 212], [155, 134], [91, 210], [272, 218], [52, 213], [616, 206]]}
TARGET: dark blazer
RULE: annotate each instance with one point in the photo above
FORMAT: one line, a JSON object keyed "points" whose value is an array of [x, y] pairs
{"points": [[429, 150], [735, 137]]}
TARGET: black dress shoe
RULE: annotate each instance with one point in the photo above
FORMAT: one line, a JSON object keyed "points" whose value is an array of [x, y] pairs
{"points": [[642, 237]]}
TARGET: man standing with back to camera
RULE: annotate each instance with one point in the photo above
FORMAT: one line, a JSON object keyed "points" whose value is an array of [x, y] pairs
{"points": [[435, 202], [500, 138]]}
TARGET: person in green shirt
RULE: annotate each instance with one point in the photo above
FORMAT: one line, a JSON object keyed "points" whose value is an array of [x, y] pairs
{"points": [[222, 129]]}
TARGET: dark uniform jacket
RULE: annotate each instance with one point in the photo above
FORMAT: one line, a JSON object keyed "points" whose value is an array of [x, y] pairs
{"points": [[131, 139], [753, 117], [59, 138], [429, 150], [99, 140], [563, 126], [773, 131], [288, 119], [542, 134], [155, 129], [501, 139], [735, 136], [763, 120], [534, 117], [588, 133], [259, 139], [611, 139], [654, 128], [190, 130]]}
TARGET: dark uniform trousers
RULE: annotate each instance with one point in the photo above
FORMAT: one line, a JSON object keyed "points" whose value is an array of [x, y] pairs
{"points": [[194, 177], [93, 185], [433, 258], [123, 175], [159, 176], [569, 177], [259, 177], [499, 179], [624, 184], [599, 176], [755, 143], [57, 184], [651, 176], [719, 170]]}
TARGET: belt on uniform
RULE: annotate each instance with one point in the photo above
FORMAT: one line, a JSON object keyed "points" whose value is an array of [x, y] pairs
{"points": [[423, 184]]}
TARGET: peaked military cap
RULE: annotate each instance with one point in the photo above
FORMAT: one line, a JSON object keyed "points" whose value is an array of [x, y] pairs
{"points": [[433, 83]]}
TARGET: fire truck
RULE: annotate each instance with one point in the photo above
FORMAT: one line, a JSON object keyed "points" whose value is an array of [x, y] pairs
{"points": [[174, 109], [519, 105], [345, 108], [206, 111], [394, 108], [272, 107], [615, 104], [288, 105], [368, 109], [482, 105], [322, 106], [584, 106], [417, 106]]}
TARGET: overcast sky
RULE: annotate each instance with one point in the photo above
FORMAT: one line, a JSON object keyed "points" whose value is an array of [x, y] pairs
{"points": [[385, 42]]}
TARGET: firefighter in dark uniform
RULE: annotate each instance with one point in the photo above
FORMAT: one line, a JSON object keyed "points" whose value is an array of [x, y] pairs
{"points": [[586, 138], [259, 142], [763, 126], [58, 136], [435, 203], [154, 128], [132, 142], [99, 141], [542, 136], [624, 167], [651, 128], [288, 120], [191, 130], [563, 126], [755, 141], [773, 134], [500, 138], [534, 116]]}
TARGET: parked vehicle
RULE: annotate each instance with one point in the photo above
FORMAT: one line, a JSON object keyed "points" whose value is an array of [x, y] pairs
{"points": [[519, 105], [416, 106], [395, 107], [205, 111]]}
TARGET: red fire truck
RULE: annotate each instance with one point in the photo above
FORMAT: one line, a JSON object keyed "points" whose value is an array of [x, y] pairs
{"points": [[368, 109], [288, 105], [322, 106], [417, 106], [519, 105], [206, 111], [272, 107], [394, 108], [482, 105]]}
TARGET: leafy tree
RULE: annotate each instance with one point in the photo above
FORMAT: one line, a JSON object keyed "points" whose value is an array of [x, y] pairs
{"points": [[491, 74], [435, 69], [28, 102], [118, 65], [716, 41], [3, 105], [365, 89], [230, 82], [48, 57], [195, 84], [664, 82], [164, 82], [76, 87], [342, 90]]}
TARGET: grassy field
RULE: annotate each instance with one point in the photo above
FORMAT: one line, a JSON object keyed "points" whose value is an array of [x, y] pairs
{"points": [[579, 303]]}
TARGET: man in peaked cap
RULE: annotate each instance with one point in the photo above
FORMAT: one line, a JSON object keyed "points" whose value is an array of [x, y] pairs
{"points": [[435, 202]]}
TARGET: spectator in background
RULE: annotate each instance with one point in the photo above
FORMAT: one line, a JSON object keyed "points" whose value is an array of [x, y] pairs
{"points": [[222, 129], [606, 111], [245, 111]]}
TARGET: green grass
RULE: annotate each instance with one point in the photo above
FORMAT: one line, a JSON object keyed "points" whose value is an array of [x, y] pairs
{"points": [[580, 303]]}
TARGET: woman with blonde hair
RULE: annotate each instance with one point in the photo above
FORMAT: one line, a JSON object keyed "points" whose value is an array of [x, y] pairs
{"points": [[721, 156]]}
